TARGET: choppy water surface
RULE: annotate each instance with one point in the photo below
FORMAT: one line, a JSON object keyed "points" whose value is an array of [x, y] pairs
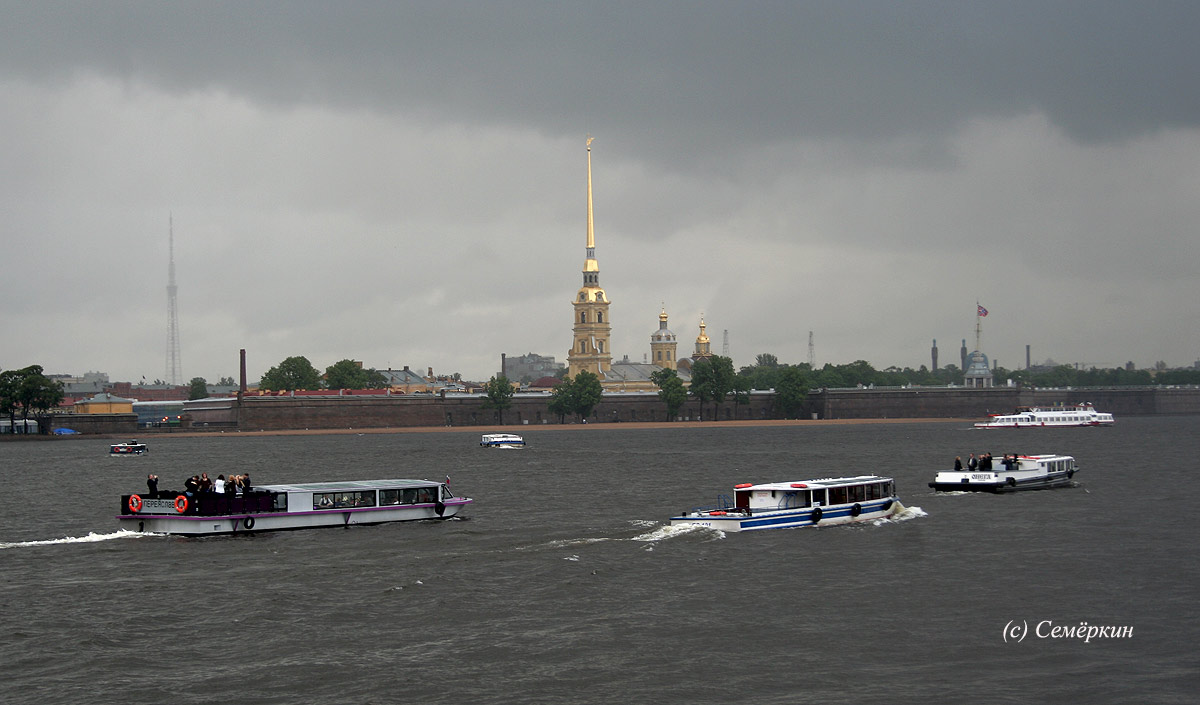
{"points": [[563, 584]]}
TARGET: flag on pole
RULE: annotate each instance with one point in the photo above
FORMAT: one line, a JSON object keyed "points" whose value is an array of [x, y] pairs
{"points": [[982, 310]]}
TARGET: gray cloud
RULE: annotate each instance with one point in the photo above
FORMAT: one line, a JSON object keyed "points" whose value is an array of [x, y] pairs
{"points": [[403, 182]]}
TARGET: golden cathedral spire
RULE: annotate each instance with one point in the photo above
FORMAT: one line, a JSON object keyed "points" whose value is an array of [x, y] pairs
{"points": [[590, 350]]}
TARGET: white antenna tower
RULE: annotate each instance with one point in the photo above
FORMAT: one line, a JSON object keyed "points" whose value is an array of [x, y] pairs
{"points": [[725, 345], [174, 376], [812, 354]]}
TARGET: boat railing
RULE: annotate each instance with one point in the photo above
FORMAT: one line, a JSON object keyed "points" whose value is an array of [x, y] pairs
{"points": [[215, 503]]}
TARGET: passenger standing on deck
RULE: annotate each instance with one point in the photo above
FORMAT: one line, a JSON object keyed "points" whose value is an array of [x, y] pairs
{"points": [[205, 483], [191, 485], [231, 485], [219, 484], [152, 485], [958, 463], [246, 483], [972, 463]]}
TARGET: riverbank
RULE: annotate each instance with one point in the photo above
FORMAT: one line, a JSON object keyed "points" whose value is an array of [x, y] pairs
{"points": [[524, 429]]}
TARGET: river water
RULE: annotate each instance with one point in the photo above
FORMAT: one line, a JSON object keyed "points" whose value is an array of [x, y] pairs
{"points": [[562, 583]]}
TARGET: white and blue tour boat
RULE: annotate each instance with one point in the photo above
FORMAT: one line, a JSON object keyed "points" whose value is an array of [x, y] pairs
{"points": [[299, 506], [782, 505], [1055, 416], [501, 440], [1016, 472], [130, 448]]}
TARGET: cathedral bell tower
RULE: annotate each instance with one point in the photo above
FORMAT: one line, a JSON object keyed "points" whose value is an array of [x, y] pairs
{"points": [[592, 329], [663, 344], [703, 344]]}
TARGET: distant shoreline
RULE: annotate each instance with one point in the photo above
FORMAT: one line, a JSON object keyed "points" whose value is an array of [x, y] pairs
{"points": [[631, 425]]}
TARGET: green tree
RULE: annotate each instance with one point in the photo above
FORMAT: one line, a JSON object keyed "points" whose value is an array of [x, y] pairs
{"points": [[291, 374], [791, 391], [670, 390], [198, 388], [562, 400], [10, 382], [740, 392], [766, 360], [348, 374], [31, 391], [588, 393], [712, 379], [499, 393], [226, 382]]}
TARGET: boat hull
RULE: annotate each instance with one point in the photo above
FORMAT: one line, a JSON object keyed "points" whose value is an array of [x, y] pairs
{"points": [[792, 518], [192, 525], [1010, 482]]}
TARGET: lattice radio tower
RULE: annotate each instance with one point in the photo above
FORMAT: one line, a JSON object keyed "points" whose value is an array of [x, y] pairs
{"points": [[174, 376]]}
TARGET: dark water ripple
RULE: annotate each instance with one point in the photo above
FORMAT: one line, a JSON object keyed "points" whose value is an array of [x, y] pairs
{"points": [[562, 584]]}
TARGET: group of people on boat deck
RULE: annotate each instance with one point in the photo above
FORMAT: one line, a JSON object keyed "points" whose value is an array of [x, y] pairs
{"points": [[235, 485], [984, 462]]}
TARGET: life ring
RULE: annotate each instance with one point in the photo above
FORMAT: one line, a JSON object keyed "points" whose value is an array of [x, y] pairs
{"points": [[742, 486], [135, 503], [1012, 482], [887, 505], [181, 504], [856, 510], [716, 514], [248, 523], [816, 515]]}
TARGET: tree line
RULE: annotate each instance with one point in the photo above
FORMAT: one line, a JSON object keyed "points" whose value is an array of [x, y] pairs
{"points": [[28, 391]]}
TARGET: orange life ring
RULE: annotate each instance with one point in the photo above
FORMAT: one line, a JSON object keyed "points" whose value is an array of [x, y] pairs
{"points": [[799, 484], [742, 486], [716, 514], [181, 504], [135, 503]]}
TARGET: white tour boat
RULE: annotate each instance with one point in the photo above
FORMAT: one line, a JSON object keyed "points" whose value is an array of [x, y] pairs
{"points": [[130, 448], [1036, 417], [1018, 472], [780, 505], [300, 506], [501, 440]]}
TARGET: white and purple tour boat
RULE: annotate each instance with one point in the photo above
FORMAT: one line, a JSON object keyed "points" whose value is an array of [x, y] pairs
{"points": [[130, 448], [1056, 416], [501, 440], [1016, 472], [781, 505], [299, 506]]}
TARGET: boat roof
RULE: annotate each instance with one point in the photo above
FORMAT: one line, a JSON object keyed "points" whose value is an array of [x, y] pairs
{"points": [[500, 435], [816, 484], [348, 485]]}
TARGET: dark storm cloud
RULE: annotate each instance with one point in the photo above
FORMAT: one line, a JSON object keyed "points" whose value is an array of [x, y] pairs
{"points": [[669, 73]]}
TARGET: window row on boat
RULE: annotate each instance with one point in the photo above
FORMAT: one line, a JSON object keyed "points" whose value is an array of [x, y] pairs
{"points": [[808, 497], [367, 498]]}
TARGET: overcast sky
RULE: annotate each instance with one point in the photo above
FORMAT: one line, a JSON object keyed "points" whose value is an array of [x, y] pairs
{"points": [[404, 183]]}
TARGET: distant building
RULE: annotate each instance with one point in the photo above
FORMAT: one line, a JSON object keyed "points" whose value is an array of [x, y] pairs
{"points": [[104, 403], [529, 367], [978, 373]]}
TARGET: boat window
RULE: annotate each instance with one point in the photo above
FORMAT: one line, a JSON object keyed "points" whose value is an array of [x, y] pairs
{"points": [[339, 500], [858, 493], [818, 497], [837, 495]]}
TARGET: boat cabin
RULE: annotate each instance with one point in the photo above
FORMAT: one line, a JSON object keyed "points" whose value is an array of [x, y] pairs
{"points": [[812, 493]]}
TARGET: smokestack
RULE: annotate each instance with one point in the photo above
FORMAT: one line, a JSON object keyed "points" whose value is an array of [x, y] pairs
{"points": [[503, 365], [1027, 365], [242, 366], [934, 351], [963, 354]]}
